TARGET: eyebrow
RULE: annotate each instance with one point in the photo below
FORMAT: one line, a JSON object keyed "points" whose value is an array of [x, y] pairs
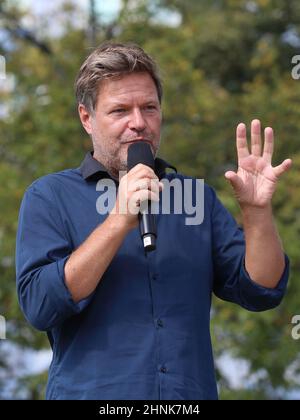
{"points": [[122, 103]]}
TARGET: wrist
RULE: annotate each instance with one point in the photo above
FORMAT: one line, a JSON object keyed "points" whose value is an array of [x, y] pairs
{"points": [[257, 217], [258, 211], [121, 222]]}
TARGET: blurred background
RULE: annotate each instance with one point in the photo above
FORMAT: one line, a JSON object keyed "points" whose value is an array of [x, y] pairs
{"points": [[222, 62]]}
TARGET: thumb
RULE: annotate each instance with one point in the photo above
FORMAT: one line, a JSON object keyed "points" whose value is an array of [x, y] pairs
{"points": [[234, 180]]}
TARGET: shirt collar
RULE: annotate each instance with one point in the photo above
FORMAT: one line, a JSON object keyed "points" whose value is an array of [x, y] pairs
{"points": [[91, 169]]}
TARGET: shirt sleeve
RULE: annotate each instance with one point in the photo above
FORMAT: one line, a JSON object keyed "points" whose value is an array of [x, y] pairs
{"points": [[231, 280], [42, 249]]}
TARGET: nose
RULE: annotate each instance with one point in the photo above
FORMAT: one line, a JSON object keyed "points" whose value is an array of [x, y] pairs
{"points": [[137, 121]]}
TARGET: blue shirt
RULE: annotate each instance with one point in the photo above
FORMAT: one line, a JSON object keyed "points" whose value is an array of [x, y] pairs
{"points": [[144, 332]]}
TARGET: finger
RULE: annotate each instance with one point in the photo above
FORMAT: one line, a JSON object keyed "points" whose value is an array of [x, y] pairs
{"points": [[142, 171], [268, 145], [283, 167], [140, 184], [145, 184], [156, 185], [138, 197], [144, 195], [234, 180], [141, 167], [241, 142], [255, 138]]}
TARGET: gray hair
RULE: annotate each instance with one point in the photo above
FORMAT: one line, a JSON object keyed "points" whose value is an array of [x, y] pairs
{"points": [[112, 60]]}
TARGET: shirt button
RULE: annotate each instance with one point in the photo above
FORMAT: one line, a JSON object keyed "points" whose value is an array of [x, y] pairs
{"points": [[154, 276], [160, 323], [163, 369]]}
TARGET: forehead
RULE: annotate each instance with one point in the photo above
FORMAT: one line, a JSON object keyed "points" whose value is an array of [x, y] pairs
{"points": [[129, 86]]}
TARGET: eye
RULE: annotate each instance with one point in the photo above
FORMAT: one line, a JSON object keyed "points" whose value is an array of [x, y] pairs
{"points": [[150, 107], [118, 111]]}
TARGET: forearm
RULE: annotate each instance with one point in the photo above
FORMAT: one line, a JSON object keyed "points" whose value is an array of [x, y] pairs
{"points": [[86, 265], [264, 259]]}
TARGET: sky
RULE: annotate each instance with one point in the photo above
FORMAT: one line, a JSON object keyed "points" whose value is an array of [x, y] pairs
{"points": [[106, 8]]}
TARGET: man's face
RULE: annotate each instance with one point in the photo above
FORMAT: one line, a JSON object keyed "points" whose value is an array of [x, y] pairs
{"points": [[127, 110]]}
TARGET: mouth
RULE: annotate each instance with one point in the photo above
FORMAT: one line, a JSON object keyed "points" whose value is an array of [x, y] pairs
{"points": [[136, 140]]}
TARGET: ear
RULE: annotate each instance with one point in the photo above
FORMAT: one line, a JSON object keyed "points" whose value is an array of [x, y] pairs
{"points": [[85, 118]]}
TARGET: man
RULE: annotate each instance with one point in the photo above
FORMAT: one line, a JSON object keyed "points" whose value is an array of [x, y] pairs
{"points": [[124, 324]]}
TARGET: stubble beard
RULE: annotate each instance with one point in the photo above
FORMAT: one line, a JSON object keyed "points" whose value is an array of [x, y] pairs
{"points": [[113, 162]]}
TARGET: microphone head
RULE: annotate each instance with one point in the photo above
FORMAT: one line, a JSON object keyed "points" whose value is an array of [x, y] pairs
{"points": [[140, 152]]}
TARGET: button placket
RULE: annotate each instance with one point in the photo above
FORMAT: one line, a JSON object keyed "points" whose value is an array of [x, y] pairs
{"points": [[160, 323]]}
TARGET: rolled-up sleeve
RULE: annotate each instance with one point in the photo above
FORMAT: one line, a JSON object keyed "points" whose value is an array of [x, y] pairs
{"points": [[231, 280], [42, 249]]}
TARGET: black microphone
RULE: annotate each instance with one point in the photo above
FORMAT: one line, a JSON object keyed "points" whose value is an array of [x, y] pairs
{"points": [[140, 152]]}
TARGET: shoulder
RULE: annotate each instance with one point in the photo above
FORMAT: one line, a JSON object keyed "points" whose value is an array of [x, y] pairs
{"points": [[55, 181]]}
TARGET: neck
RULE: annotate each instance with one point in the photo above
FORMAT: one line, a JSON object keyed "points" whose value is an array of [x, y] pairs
{"points": [[111, 170]]}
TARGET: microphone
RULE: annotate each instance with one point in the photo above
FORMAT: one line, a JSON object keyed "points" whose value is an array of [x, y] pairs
{"points": [[140, 152]]}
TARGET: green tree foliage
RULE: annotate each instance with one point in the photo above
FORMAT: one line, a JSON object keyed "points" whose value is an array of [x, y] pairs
{"points": [[222, 62]]}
